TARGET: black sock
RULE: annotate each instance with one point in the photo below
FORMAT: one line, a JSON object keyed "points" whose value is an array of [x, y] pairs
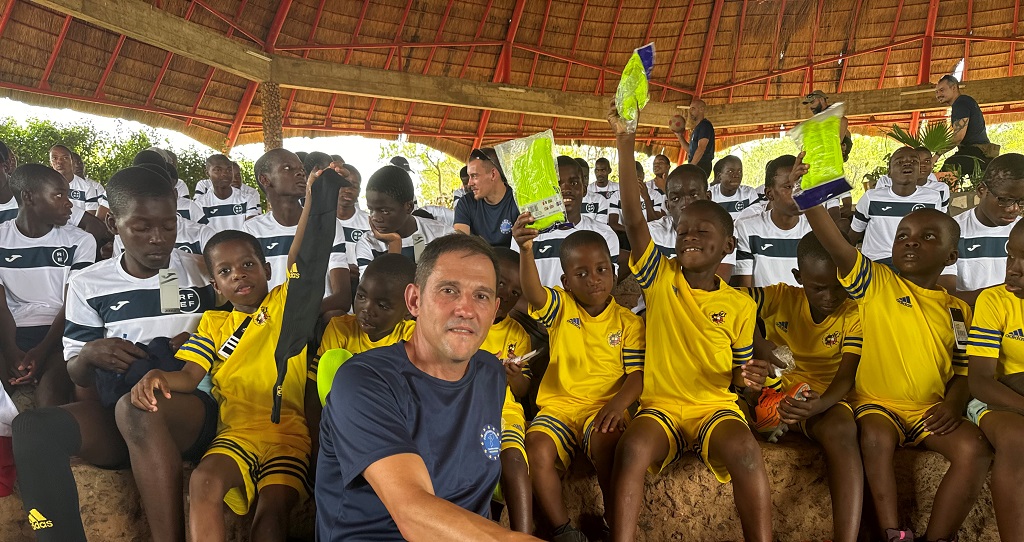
{"points": [[44, 441], [564, 528]]}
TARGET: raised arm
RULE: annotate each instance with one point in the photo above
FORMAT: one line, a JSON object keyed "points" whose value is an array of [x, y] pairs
{"points": [[825, 229], [533, 290], [630, 216]]}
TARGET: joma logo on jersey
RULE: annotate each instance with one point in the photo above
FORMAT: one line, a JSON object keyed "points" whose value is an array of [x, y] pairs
{"points": [[717, 317], [784, 326], [831, 339]]}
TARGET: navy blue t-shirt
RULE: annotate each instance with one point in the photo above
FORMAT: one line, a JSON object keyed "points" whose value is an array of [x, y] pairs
{"points": [[492, 222], [965, 107], [703, 130], [381, 405]]}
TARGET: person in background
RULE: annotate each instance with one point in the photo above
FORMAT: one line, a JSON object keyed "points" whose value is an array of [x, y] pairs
{"points": [[224, 207], [492, 210], [84, 194], [816, 102], [459, 193], [701, 146], [973, 148], [101, 193], [729, 190]]}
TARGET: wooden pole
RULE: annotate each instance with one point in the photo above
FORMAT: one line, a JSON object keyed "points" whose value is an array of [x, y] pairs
{"points": [[270, 99]]}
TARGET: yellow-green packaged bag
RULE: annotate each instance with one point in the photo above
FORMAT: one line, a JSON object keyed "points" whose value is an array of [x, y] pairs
{"points": [[818, 137], [529, 166], [632, 93]]}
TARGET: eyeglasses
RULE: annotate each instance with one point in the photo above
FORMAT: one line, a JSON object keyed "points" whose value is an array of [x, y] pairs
{"points": [[1006, 202]]}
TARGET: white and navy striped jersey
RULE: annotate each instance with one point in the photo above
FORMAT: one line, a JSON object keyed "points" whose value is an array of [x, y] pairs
{"points": [[104, 301], [878, 214], [276, 241], [251, 194], [86, 194], [547, 245], [355, 227], [441, 214], [657, 197], [8, 210], [34, 271], [189, 210], [595, 206], [182, 189], [765, 251], [368, 247], [607, 191], [933, 182], [982, 261], [190, 237], [225, 214], [744, 197]]}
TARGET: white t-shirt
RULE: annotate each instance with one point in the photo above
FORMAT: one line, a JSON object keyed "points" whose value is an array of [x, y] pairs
{"points": [[355, 227], [744, 197], [277, 242], [606, 191], [34, 271], [595, 206], [182, 189], [251, 194], [878, 214], [368, 247], [8, 210], [933, 182], [104, 301], [225, 214], [546, 247], [767, 252], [982, 261], [190, 237], [657, 197], [86, 193], [189, 209]]}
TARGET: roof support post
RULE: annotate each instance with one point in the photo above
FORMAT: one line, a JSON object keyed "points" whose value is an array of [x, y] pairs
{"points": [[924, 69]]}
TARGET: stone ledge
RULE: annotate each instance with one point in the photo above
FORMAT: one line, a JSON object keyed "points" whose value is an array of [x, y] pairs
{"points": [[684, 503]]}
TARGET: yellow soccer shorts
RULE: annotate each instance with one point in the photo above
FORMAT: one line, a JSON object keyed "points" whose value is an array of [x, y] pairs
{"points": [[569, 427], [689, 428], [513, 428], [263, 464], [909, 423]]}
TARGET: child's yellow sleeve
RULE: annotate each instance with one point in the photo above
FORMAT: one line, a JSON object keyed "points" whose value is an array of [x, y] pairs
{"points": [[634, 345], [986, 337], [743, 343], [200, 348], [549, 313], [767, 298], [865, 278], [646, 266], [853, 334]]}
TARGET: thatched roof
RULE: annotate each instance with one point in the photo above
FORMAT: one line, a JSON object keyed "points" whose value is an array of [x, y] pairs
{"points": [[577, 46]]}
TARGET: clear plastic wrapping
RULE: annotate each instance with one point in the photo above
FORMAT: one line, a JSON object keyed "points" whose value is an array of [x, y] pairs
{"points": [[529, 166], [632, 93], [818, 137]]}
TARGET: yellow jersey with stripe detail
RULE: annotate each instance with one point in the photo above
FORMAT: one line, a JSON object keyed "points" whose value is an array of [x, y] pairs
{"points": [[590, 355], [345, 332], [998, 330], [697, 337], [910, 346], [817, 348], [507, 339], [244, 378]]}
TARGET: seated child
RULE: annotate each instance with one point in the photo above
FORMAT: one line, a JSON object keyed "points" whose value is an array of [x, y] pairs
{"points": [[224, 206], [390, 200], [911, 386], [821, 326], [252, 459], [996, 350], [38, 252], [595, 372], [700, 359]]}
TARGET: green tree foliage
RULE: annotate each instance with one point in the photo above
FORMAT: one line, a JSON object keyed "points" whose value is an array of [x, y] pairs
{"points": [[436, 174]]}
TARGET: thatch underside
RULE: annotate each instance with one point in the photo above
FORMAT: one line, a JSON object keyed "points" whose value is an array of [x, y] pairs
{"points": [[756, 50]]}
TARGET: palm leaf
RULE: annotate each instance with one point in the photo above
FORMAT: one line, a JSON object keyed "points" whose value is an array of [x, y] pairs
{"points": [[936, 136]]}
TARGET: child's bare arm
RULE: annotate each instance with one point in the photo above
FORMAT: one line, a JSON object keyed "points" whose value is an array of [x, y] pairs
{"points": [[143, 394], [610, 417], [631, 216], [946, 416], [533, 290]]}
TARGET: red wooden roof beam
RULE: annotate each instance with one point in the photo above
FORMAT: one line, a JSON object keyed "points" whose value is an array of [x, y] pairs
{"points": [[44, 81], [888, 50], [110, 67], [387, 64], [6, 17], [430, 59], [849, 45], [309, 39], [503, 71], [709, 46], [808, 85], [275, 27], [230, 23], [599, 87], [774, 60], [739, 46]]}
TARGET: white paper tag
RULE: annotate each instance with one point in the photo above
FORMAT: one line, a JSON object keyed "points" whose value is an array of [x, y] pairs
{"points": [[545, 207], [419, 242], [170, 299], [959, 327]]}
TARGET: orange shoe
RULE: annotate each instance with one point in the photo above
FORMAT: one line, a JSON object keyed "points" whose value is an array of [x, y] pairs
{"points": [[769, 423]]}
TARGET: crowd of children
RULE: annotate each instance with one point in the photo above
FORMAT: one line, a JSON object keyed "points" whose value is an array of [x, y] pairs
{"points": [[149, 322]]}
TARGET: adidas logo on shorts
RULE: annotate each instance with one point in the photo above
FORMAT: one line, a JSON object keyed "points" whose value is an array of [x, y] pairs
{"points": [[38, 521], [905, 301]]}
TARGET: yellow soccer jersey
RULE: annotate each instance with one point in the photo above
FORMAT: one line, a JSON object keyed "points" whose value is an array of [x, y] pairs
{"points": [[590, 355], [910, 347], [697, 337], [344, 332], [243, 381], [998, 330], [817, 348], [507, 339]]}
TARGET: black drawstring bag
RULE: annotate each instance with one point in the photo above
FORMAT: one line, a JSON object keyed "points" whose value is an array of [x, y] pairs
{"points": [[159, 355]]}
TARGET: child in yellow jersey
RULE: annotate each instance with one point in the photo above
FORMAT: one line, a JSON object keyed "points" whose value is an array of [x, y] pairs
{"points": [[996, 350], [911, 384], [701, 346], [595, 373], [506, 340], [821, 326]]}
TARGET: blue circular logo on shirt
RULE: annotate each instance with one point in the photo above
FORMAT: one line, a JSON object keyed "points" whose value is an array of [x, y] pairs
{"points": [[506, 226], [490, 441]]}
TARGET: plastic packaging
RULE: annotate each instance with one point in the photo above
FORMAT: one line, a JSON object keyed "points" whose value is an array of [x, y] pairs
{"points": [[785, 355], [529, 165], [632, 93], [818, 137]]}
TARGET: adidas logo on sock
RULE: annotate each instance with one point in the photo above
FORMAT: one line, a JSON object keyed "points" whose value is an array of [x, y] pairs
{"points": [[38, 521], [905, 301], [1017, 334]]}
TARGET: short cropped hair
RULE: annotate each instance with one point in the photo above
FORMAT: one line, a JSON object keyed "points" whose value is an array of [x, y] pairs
{"points": [[316, 160], [135, 183], [214, 158], [228, 236], [394, 182], [566, 161], [507, 255], [773, 167], [580, 239], [464, 173], [30, 178], [584, 168], [263, 163], [396, 269], [719, 214], [1004, 169], [5, 153], [602, 160], [60, 146], [950, 79], [353, 171], [717, 168], [448, 244], [950, 227], [686, 171], [810, 249]]}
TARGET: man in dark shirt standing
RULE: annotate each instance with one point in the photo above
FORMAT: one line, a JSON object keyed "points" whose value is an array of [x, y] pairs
{"points": [[701, 146], [492, 210], [974, 150], [411, 433]]}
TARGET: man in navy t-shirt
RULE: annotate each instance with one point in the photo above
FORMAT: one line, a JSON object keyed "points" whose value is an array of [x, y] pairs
{"points": [[492, 210], [411, 433], [969, 133], [701, 146]]}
